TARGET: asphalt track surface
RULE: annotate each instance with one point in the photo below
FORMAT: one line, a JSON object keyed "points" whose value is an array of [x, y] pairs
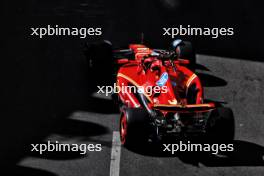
{"points": [[234, 83]]}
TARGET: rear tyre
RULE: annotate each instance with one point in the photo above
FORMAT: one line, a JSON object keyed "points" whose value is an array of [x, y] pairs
{"points": [[220, 126], [133, 126]]}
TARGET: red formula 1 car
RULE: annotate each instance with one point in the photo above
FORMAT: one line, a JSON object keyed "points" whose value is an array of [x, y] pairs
{"points": [[160, 96]]}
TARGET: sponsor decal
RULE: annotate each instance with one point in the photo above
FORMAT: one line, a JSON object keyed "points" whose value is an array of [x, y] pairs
{"points": [[163, 79]]}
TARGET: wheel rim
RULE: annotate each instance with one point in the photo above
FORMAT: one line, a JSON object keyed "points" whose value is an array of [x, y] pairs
{"points": [[123, 128]]}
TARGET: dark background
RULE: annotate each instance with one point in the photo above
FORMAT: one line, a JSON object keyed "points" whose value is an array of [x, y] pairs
{"points": [[46, 79]]}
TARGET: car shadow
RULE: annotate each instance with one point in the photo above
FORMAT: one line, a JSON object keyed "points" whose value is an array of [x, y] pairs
{"points": [[101, 105], [73, 127], [21, 170], [201, 67], [62, 126], [244, 154], [216, 102], [209, 80], [67, 129]]}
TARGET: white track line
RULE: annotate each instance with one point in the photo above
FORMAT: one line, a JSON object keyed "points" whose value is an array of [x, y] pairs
{"points": [[115, 154]]}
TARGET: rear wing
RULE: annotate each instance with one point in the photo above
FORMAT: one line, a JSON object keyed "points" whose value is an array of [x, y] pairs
{"points": [[185, 108]]}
